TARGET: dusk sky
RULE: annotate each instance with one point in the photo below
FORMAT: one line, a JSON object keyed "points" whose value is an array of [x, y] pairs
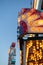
{"points": [[8, 26]]}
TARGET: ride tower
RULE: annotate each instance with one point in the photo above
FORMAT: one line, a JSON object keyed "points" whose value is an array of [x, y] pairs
{"points": [[12, 54], [30, 34]]}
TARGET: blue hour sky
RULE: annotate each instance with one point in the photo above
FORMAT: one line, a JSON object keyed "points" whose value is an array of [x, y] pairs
{"points": [[8, 26]]}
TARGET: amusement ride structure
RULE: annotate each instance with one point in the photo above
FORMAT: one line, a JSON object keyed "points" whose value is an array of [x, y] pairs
{"points": [[30, 34], [12, 54]]}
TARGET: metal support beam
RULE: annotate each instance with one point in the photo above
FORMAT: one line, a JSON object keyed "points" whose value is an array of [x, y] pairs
{"points": [[38, 6], [24, 53]]}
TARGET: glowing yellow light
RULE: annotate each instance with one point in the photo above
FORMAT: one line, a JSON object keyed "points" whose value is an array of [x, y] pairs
{"points": [[39, 29], [42, 41], [31, 35], [41, 64], [36, 63], [35, 59], [31, 23], [20, 57], [40, 54], [26, 53], [35, 22], [34, 49], [27, 49], [30, 44], [30, 63], [37, 42], [40, 22], [23, 17], [32, 28], [32, 58], [37, 47], [28, 14], [37, 55], [36, 29], [40, 44]]}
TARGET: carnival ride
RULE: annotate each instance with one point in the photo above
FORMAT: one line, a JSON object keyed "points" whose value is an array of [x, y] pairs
{"points": [[12, 54], [30, 34]]}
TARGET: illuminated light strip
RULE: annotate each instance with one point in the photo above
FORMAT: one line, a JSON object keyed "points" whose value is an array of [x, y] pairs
{"points": [[28, 46], [38, 54]]}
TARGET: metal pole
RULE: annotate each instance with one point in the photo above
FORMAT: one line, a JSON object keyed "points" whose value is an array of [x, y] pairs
{"points": [[39, 3], [24, 53]]}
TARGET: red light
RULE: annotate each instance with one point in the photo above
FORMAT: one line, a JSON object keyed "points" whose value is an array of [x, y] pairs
{"points": [[13, 44], [24, 25]]}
